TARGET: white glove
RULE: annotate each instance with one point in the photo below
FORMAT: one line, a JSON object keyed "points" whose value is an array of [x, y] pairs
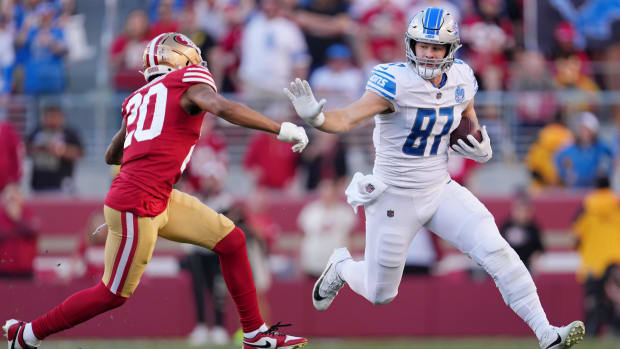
{"points": [[291, 133], [304, 102], [481, 151]]}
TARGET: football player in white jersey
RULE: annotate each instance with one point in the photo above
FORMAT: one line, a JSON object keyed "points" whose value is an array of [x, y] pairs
{"points": [[416, 104]]}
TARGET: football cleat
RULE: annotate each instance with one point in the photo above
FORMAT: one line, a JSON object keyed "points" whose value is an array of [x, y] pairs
{"points": [[272, 339], [563, 337], [14, 332], [327, 286]]}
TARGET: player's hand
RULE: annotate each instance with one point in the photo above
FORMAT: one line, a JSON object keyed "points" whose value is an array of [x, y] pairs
{"points": [[479, 151], [291, 133], [304, 102]]}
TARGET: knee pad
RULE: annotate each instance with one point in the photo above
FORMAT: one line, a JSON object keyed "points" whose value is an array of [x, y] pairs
{"points": [[392, 250], [234, 241], [510, 274]]}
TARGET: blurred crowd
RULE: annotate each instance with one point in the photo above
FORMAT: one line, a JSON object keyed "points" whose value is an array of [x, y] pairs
{"points": [[256, 47]]}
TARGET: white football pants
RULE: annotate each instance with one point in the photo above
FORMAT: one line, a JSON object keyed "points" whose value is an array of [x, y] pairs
{"points": [[456, 215]]}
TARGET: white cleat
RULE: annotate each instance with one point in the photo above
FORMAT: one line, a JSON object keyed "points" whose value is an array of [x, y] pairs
{"points": [[563, 337], [13, 331], [327, 286]]}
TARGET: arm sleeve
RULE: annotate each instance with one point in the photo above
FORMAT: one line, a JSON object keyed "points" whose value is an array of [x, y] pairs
{"points": [[382, 83]]}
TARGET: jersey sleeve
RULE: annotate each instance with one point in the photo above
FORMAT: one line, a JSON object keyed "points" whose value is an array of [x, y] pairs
{"points": [[196, 74], [383, 83]]}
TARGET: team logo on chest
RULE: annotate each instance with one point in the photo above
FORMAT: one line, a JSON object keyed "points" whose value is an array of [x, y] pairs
{"points": [[459, 94]]}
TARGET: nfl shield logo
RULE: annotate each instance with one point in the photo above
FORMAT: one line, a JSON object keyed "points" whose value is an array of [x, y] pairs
{"points": [[370, 188], [459, 95], [390, 213]]}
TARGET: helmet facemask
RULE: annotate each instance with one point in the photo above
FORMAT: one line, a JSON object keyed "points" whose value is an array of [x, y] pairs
{"points": [[443, 31]]}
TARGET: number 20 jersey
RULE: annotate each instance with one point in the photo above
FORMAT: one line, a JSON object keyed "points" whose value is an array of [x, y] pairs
{"points": [[411, 144], [159, 142]]}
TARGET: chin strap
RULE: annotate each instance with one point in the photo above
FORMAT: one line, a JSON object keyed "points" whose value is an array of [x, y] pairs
{"points": [[156, 70]]}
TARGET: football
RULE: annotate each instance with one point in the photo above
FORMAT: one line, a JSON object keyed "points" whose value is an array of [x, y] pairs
{"points": [[465, 127]]}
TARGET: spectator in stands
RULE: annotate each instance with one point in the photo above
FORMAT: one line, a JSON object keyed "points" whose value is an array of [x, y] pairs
{"points": [[571, 76], [165, 21], [261, 232], [579, 164], [11, 154], [326, 224], [228, 51], [339, 79], [270, 162], [54, 149], [126, 52], [45, 41], [381, 32], [204, 177], [207, 170], [533, 83], [521, 230], [488, 38], [325, 158], [324, 23], [7, 53], [599, 247], [611, 283], [18, 237], [273, 52], [540, 158]]}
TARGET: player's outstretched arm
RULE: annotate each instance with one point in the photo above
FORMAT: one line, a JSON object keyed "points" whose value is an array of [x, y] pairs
{"points": [[335, 121], [114, 153], [201, 98]]}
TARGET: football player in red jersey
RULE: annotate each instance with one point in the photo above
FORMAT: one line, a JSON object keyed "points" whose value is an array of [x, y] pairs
{"points": [[161, 125]]}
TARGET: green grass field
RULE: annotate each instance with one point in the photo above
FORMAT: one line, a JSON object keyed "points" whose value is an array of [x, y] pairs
{"points": [[478, 343]]}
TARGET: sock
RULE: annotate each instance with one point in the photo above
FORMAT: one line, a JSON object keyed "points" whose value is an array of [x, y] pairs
{"points": [[79, 307], [253, 334], [237, 274], [531, 311], [29, 336]]}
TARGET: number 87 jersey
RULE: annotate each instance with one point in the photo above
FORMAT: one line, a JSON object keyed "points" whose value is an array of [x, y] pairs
{"points": [[159, 141], [411, 144]]}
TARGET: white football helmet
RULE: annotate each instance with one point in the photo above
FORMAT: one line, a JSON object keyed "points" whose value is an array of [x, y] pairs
{"points": [[169, 52], [434, 26]]}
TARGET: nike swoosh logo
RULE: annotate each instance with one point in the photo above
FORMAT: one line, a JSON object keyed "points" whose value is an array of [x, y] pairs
{"points": [[557, 341], [316, 294], [266, 345]]}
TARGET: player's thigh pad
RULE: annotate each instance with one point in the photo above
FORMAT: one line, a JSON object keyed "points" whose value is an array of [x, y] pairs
{"points": [[391, 223], [191, 221], [462, 220], [128, 248]]}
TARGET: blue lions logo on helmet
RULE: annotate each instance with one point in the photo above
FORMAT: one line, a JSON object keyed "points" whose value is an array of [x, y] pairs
{"points": [[459, 95]]}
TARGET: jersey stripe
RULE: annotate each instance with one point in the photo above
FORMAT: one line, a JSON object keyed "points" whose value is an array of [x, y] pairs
{"points": [[375, 89], [128, 239], [134, 247], [198, 74], [152, 61], [383, 75], [203, 81]]}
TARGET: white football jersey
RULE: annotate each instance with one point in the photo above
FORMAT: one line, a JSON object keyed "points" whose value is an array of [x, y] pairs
{"points": [[412, 143]]}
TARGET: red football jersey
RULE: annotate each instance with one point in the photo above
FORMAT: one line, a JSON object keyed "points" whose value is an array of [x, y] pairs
{"points": [[159, 142]]}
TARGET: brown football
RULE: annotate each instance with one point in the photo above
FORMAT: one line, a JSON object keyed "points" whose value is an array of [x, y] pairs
{"points": [[465, 127]]}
